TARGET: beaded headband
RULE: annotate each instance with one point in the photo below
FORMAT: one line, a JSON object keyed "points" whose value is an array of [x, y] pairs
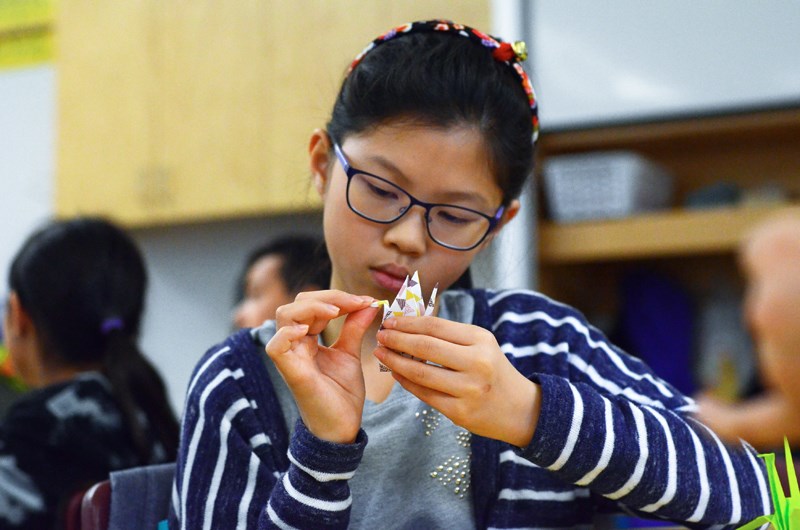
{"points": [[505, 52]]}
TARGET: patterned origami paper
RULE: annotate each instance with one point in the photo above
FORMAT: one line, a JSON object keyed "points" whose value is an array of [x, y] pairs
{"points": [[409, 303], [787, 509]]}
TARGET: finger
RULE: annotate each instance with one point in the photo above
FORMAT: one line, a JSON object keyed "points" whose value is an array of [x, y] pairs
{"points": [[353, 329], [422, 374], [447, 330], [425, 347], [434, 398], [316, 312], [284, 339], [335, 297]]}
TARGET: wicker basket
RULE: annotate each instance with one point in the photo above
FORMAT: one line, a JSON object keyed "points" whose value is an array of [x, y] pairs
{"points": [[602, 185]]}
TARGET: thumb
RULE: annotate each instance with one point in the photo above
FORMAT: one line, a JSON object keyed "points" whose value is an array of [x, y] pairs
{"points": [[353, 329]]}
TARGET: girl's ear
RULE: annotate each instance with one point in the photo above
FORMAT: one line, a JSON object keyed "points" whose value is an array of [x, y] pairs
{"points": [[319, 149], [510, 213], [18, 321]]}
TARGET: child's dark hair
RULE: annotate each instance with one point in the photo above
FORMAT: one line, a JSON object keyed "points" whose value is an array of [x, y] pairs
{"points": [[304, 261], [83, 283], [442, 80]]}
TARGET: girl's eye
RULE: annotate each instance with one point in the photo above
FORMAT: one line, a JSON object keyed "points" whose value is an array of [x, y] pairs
{"points": [[382, 192], [455, 217]]}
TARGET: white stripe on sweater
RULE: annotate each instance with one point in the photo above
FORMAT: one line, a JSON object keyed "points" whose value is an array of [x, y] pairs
{"points": [[247, 496], [533, 294], [277, 521], [672, 466], [574, 430], [511, 456], [319, 504], [759, 473], [641, 463], [198, 431], [579, 363], [320, 476], [534, 495], [702, 476], [736, 502], [222, 457], [583, 331], [176, 503], [205, 366], [608, 447], [259, 440]]}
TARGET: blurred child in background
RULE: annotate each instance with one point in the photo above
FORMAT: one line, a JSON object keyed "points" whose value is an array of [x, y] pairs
{"points": [[770, 259], [276, 272], [77, 292]]}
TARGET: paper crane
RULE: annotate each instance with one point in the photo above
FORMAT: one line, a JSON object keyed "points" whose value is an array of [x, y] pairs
{"points": [[408, 302]]}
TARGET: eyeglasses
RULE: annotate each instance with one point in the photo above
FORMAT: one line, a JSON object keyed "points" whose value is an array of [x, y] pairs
{"points": [[378, 200]]}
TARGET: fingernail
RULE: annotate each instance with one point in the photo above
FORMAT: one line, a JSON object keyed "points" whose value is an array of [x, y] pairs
{"points": [[302, 328], [389, 323], [366, 299], [332, 308]]}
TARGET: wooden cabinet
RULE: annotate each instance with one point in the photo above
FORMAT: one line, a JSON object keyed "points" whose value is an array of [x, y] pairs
{"points": [[175, 111], [582, 263]]}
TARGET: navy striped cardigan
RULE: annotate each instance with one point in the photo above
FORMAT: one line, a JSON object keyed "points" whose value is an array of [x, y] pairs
{"points": [[611, 435]]}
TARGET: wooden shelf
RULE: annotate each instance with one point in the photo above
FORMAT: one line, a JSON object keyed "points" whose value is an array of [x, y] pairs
{"points": [[678, 232]]}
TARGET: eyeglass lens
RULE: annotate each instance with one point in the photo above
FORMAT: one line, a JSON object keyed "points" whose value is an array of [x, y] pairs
{"points": [[382, 201]]}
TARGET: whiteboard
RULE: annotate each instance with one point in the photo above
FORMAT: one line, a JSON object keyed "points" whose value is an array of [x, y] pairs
{"points": [[601, 61]]}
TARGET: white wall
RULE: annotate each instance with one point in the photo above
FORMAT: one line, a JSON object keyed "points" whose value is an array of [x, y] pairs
{"points": [[622, 59], [27, 118]]}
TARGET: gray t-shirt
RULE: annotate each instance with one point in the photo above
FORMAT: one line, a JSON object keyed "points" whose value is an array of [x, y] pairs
{"points": [[415, 472]]}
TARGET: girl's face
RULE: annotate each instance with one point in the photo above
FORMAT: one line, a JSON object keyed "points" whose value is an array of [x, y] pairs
{"points": [[449, 166]]}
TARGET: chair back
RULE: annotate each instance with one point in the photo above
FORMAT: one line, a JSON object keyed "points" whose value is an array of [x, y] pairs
{"points": [[131, 499], [96, 507]]}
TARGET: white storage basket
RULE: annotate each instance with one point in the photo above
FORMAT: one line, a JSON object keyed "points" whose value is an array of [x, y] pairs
{"points": [[601, 185]]}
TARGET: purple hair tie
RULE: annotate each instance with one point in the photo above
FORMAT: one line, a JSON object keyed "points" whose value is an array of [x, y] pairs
{"points": [[110, 324]]}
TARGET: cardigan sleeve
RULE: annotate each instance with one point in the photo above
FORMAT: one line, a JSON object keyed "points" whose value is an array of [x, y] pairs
{"points": [[234, 470], [609, 424]]}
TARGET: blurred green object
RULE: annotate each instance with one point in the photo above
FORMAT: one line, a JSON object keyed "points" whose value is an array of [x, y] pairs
{"points": [[7, 377], [787, 509]]}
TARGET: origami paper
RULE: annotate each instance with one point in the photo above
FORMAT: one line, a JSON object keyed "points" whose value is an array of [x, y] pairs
{"points": [[409, 303], [787, 509]]}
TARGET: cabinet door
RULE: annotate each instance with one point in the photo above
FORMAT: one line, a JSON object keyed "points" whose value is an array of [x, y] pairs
{"points": [[104, 114], [201, 110]]}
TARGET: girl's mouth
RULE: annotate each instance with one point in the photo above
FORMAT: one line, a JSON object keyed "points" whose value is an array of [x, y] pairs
{"points": [[390, 279]]}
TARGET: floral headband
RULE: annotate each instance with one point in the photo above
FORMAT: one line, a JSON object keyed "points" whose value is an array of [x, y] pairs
{"points": [[509, 53]]}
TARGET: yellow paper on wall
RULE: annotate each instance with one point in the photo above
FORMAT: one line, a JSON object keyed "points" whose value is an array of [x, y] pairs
{"points": [[26, 32]]}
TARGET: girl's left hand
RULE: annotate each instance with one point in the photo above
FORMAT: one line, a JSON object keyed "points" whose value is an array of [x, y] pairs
{"points": [[475, 386]]}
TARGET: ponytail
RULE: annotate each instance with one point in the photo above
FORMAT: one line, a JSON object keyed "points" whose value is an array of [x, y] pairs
{"points": [[141, 396]]}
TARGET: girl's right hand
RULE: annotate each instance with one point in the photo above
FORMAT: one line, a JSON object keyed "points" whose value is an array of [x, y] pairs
{"points": [[327, 382]]}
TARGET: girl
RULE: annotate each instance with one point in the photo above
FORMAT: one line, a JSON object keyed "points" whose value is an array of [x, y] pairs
{"points": [[531, 419], [77, 293]]}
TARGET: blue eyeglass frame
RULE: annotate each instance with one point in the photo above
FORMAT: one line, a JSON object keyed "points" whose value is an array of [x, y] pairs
{"points": [[351, 171]]}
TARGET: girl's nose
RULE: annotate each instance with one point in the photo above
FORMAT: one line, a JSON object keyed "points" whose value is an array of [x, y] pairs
{"points": [[409, 233]]}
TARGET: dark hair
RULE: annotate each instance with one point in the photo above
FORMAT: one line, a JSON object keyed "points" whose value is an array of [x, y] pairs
{"points": [[442, 80], [83, 282], [304, 261]]}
